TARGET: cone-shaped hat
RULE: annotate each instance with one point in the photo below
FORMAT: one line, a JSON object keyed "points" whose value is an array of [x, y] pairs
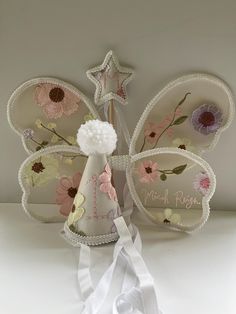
{"points": [[95, 205]]}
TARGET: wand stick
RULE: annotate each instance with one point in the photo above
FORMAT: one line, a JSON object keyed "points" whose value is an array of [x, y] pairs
{"points": [[111, 119]]}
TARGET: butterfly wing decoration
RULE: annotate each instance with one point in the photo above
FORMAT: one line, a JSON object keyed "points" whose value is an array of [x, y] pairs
{"points": [[189, 113], [172, 187], [46, 113], [168, 180]]}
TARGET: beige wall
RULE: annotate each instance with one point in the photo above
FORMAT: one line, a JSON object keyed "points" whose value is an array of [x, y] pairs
{"points": [[160, 39]]}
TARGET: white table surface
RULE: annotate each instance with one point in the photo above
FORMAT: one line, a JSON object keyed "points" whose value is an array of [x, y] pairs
{"points": [[193, 273]]}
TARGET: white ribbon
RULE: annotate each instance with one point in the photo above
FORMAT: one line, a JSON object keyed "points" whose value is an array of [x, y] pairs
{"points": [[143, 297], [137, 293], [84, 275]]}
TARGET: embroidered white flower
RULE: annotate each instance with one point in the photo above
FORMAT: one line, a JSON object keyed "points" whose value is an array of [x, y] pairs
{"points": [[51, 125], [38, 123], [168, 217], [54, 139], [68, 161], [77, 211], [41, 171], [184, 143]]}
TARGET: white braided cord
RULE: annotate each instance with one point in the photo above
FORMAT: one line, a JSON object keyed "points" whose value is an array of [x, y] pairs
{"points": [[76, 239]]}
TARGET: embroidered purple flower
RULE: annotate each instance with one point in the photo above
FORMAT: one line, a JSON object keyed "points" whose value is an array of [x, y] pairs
{"points": [[207, 119], [28, 134]]}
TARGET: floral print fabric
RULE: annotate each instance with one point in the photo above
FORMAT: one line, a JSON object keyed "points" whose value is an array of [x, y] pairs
{"points": [[56, 100], [66, 192], [106, 185]]}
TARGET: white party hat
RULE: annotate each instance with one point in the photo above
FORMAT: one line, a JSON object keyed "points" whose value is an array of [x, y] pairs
{"points": [[95, 205]]}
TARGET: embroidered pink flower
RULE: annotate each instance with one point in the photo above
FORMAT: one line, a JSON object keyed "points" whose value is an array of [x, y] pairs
{"points": [[151, 132], [106, 186], [66, 192], [148, 171], [56, 100], [201, 183]]}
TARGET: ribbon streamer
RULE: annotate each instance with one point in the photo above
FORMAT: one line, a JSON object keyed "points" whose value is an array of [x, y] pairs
{"points": [[137, 292]]}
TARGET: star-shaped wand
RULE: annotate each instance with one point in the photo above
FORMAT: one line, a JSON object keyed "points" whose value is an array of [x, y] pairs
{"points": [[110, 79]]}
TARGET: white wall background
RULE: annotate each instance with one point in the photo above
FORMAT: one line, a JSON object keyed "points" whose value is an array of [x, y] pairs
{"points": [[160, 39]]}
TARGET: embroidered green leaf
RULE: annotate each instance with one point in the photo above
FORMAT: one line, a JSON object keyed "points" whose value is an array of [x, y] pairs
{"points": [[44, 143], [180, 120], [179, 169], [163, 177]]}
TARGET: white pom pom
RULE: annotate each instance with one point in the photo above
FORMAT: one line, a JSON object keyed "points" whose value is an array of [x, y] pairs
{"points": [[96, 137]]}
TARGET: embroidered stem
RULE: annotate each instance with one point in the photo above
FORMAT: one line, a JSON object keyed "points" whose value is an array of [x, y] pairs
{"points": [[57, 134], [172, 120], [168, 171], [111, 119], [144, 142], [36, 142]]}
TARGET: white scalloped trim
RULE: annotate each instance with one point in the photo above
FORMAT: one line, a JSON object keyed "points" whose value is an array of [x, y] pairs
{"points": [[19, 90], [76, 239], [101, 100], [205, 199], [119, 162], [177, 82]]}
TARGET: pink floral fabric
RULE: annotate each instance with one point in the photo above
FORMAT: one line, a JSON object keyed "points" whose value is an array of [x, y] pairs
{"points": [[106, 186], [201, 183], [56, 100], [153, 130], [66, 192], [147, 171]]}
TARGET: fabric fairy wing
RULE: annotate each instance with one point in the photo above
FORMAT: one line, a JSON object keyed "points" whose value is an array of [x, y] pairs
{"points": [[189, 113], [172, 187], [49, 180], [46, 112]]}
